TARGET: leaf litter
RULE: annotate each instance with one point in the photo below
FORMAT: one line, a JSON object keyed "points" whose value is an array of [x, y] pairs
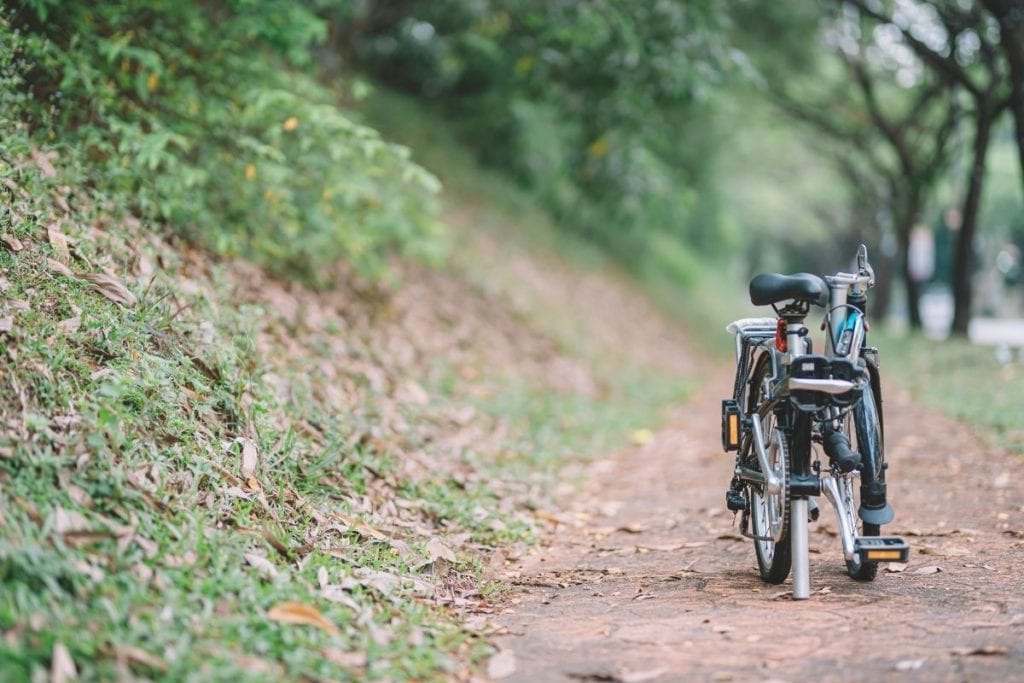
{"points": [[372, 352]]}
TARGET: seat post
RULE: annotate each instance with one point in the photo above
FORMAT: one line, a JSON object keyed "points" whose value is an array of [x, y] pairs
{"points": [[796, 337], [796, 332]]}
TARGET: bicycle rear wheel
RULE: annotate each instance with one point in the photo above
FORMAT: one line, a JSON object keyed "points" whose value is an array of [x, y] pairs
{"points": [[769, 512]]}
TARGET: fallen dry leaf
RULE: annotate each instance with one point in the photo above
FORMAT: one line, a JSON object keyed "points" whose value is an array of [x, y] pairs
{"points": [[69, 521], [437, 549], [265, 566], [386, 582], [502, 664], [364, 529], [110, 287], [12, 242], [250, 457], [301, 614], [931, 569], [62, 667], [79, 496], [896, 567], [664, 548], [6, 324], [71, 325], [59, 242], [59, 268], [135, 655], [43, 162]]}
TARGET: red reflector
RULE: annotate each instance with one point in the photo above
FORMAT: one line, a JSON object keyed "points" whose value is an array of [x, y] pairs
{"points": [[780, 336]]}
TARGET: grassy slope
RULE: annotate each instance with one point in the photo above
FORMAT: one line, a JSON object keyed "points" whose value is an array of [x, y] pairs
{"points": [[172, 471]]}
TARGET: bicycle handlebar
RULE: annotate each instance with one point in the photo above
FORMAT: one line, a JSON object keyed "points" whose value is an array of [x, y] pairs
{"points": [[864, 277]]}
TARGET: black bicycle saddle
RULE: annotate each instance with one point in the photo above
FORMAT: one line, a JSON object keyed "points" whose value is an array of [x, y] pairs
{"points": [[771, 288]]}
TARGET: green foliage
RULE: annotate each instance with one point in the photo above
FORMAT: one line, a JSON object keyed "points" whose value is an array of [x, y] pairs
{"points": [[598, 107], [205, 116]]}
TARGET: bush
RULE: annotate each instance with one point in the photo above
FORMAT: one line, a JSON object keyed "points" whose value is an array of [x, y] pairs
{"points": [[207, 116]]}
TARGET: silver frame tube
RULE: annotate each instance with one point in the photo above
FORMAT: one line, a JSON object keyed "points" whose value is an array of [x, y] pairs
{"points": [[801, 553], [771, 482], [830, 488]]}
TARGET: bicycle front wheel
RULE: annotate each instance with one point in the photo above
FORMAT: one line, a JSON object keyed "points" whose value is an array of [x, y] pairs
{"points": [[864, 427]]}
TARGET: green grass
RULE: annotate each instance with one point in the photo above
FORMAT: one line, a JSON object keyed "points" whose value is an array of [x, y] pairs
{"points": [[125, 518], [965, 381], [127, 526]]}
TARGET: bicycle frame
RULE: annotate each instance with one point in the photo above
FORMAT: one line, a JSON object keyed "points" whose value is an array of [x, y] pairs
{"points": [[825, 387]]}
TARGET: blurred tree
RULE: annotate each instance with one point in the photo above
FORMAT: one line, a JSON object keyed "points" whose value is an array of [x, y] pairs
{"points": [[600, 106], [890, 131], [1010, 15], [205, 116], [957, 42]]}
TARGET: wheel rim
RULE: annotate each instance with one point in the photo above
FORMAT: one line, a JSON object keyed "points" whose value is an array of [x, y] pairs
{"points": [[848, 495], [768, 510]]}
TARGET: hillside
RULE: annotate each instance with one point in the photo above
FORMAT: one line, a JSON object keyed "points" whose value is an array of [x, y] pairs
{"points": [[209, 471]]}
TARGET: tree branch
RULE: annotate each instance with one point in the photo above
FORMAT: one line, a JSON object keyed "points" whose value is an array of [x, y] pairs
{"points": [[945, 65]]}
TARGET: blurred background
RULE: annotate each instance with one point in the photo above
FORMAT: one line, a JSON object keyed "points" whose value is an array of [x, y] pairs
{"points": [[683, 137], [772, 136]]}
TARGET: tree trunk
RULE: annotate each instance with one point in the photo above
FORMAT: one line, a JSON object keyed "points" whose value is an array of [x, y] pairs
{"points": [[906, 219], [1010, 14], [963, 258], [881, 296]]}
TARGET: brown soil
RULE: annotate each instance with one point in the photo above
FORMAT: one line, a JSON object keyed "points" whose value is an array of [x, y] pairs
{"points": [[646, 578]]}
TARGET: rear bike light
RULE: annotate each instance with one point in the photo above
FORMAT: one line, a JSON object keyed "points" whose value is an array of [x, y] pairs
{"points": [[780, 336]]}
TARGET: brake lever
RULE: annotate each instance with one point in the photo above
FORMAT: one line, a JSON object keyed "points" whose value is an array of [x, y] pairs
{"points": [[863, 267]]}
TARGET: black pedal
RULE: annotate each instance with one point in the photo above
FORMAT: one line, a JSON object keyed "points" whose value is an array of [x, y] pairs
{"points": [[881, 549], [735, 501], [813, 511], [730, 425]]}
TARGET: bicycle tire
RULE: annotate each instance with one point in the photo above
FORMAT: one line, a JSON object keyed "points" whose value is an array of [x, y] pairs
{"points": [[774, 555], [865, 416]]}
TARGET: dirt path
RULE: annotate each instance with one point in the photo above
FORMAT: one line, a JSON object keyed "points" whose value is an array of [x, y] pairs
{"points": [[646, 578]]}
